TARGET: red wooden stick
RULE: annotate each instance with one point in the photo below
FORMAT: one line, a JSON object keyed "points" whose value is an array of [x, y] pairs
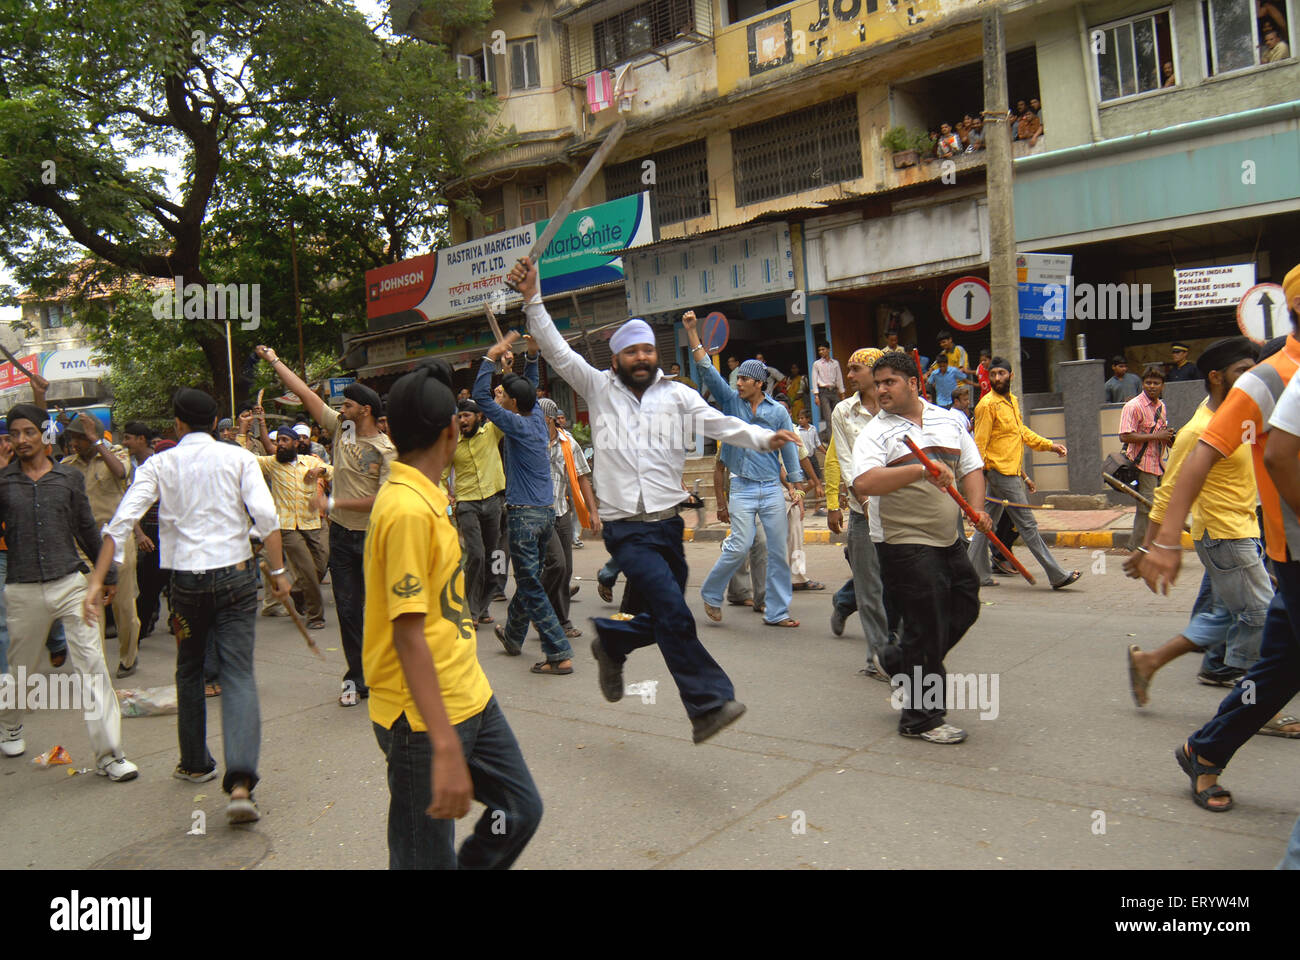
{"points": [[916, 358], [970, 512]]}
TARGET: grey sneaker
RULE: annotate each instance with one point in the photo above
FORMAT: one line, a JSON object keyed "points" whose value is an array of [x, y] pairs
{"points": [[944, 733], [837, 622]]}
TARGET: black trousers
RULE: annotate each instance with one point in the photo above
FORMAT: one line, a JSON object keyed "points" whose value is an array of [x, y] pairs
{"points": [[937, 593], [151, 582]]}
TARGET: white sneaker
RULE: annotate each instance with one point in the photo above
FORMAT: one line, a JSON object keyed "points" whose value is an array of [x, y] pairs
{"points": [[119, 768], [12, 743]]}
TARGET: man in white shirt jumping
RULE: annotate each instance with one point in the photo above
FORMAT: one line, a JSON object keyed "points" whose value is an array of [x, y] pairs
{"points": [[642, 423], [206, 492]]}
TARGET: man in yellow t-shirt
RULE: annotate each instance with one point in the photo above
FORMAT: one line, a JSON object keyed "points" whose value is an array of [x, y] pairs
{"points": [[441, 730], [1235, 592]]}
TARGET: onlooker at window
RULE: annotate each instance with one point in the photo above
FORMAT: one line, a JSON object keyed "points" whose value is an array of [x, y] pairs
{"points": [[934, 144], [949, 143], [1029, 127], [1016, 116], [1036, 105], [1170, 79], [1275, 48], [975, 136]]}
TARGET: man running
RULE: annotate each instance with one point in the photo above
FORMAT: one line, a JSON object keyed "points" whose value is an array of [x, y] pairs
{"points": [[360, 457], [639, 477], [206, 492], [46, 517], [1001, 436], [1232, 605], [923, 562], [292, 477]]}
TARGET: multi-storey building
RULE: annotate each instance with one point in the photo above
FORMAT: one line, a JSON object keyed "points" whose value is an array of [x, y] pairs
{"points": [[1171, 138], [58, 347]]}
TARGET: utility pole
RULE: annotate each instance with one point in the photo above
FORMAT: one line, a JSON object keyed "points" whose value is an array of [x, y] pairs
{"points": [[297, 303], [1005, 325]]}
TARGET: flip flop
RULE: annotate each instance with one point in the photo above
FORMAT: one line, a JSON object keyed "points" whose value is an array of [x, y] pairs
{"points": [[546, 668], [809, 585], [1274, 727], [212, 689], [741, 603], [486, 619], [713, 613], [1137, 683], [787, 622]]}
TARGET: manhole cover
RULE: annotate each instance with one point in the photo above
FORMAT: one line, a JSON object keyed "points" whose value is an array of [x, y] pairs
{"points": [[221, 848]]}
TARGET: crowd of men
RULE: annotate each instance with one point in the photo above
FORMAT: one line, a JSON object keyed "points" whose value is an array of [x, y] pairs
{"points": [[412, 503]]}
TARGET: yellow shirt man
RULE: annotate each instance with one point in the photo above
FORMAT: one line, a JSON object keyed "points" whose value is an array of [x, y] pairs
{"points": [[292, 494], [1226, 507], [1001, 434], [412, 565], [477, 462]]}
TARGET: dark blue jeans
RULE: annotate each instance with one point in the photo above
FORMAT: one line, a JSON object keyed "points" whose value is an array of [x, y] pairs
{"points": [[348, 580], [501, 782], [654, 563], [220, 605], [1272, 681], [530, 534]]}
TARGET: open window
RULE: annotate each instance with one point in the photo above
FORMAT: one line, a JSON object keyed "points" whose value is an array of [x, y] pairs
{"points": [[1240, 34], [1134, 56]]}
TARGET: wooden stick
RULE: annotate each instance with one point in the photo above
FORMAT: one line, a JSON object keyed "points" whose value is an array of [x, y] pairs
{"points": [[1120, 485], [1027, 506], [288, 605], [971, 515]]}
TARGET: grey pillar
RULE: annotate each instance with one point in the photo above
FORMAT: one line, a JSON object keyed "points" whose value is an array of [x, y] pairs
{"points": [[1081, 383]]}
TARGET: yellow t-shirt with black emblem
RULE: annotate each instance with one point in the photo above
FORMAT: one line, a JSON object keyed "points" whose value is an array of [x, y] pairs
{"points": [[413, 565]]}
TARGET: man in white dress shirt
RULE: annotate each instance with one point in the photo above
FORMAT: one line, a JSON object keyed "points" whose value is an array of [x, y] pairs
{"points": [[206, 492], [642, 422]]}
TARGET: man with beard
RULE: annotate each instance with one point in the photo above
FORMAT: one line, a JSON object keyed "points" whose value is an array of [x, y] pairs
{"points": [[360, 458], [639, 476], [309, 447], [923, 562], [292, 477], [530, 511], [46, 516], [1001, 436], [476, 483]]}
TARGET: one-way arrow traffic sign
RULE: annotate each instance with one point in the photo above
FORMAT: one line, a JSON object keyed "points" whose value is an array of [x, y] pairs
{"points": [[1262, 313]]}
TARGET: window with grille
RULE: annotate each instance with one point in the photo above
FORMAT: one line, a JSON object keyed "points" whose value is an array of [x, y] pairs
{"points": [[478, 67], [1135, 56], [1241, 34], [56, 316], [797, 151], [532, 202], [641, 29], [523, 65], [680, 187]]}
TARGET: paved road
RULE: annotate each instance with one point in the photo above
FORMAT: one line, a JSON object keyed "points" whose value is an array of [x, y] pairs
{"points": [[624, 786]]}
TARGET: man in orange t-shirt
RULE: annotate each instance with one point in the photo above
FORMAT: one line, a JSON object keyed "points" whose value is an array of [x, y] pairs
{"points": [[1245, 416]]}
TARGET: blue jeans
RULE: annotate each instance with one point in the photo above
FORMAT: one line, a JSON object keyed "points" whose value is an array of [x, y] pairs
{"points": [[1231, 619], [651, 557], [1273, 680], [221, 604], [501, 782], [348, 581], [751, 502], [530, 534], [1291, 859]]}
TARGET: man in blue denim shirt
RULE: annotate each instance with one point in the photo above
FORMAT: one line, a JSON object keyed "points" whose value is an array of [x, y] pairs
{"points": [[530, 510], [757, 494]]}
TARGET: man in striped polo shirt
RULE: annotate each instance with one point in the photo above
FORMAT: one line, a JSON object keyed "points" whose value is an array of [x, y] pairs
{"points": [[923, 562]]}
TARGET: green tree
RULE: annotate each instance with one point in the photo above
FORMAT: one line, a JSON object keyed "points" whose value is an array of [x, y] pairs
{"points": [[292, 111]]}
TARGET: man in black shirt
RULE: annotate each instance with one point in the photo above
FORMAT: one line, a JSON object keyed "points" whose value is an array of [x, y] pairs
{"points": [[46, 516], [1181, 369]]}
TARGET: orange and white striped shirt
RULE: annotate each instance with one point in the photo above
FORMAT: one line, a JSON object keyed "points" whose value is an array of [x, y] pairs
{"points": [[1243, 418]]}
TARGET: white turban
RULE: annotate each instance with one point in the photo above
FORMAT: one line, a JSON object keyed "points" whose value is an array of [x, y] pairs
{"points": [[630, 334]]}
